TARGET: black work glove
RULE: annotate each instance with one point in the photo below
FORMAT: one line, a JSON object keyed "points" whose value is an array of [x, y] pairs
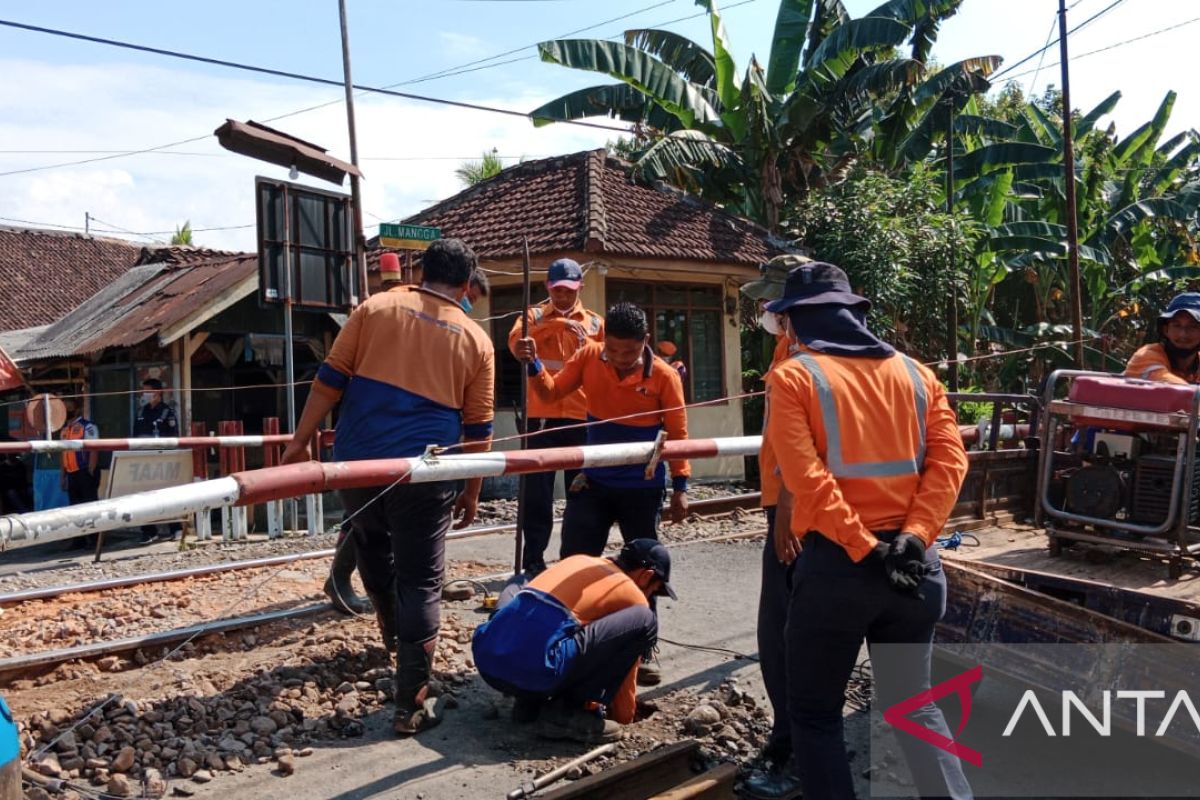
{"points": [[903, 562]]}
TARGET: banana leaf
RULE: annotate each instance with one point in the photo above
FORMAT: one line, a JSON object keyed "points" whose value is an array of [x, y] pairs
{"points": [[791, 27], [617, 100], [690, 60], [694, 106]]}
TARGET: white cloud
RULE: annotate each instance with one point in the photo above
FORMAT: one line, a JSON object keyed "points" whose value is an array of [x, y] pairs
{"points": [[118, 107], [460, 45]]}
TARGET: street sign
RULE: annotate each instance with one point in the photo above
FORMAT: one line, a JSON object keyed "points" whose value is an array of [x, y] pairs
{"points": [[407, 237]]}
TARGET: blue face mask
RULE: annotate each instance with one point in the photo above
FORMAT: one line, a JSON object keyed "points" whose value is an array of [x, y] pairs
{"points": [[465, 303]]}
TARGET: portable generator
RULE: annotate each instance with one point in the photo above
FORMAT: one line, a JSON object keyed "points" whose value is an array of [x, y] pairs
{"points": [[1125, 475]]}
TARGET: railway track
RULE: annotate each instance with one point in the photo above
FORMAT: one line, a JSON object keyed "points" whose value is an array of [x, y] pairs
{"points": [[672, 772], [43, 661], [703, 508]]}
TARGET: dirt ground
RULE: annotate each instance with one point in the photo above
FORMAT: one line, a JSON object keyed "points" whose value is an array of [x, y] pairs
{"points": [[239, 713]]}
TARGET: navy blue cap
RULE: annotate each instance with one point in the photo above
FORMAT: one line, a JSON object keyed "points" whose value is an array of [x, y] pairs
{"points": [[815, 284], [564, 272], [648, 554], [1188, 301]]}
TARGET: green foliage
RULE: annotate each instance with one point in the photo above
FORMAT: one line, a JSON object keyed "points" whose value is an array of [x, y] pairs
{"points": [[472, 172], [183, 234], [900, 249]]}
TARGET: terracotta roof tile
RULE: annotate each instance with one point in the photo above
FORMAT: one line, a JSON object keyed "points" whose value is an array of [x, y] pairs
{"points": [[45, 274], [588, 202]]}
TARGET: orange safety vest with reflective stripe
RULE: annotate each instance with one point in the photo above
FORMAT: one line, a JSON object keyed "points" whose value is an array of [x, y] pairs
{"points": [[768, 476], [1151, 363], [558, 336], [864, 444], [78, 428]]}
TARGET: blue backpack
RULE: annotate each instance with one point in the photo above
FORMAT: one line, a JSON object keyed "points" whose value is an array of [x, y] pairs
{"points": [[528, 645], [10, 745]]}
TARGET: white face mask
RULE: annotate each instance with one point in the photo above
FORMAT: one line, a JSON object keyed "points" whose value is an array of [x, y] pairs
{"points": [[770, 323], [147, 398]]}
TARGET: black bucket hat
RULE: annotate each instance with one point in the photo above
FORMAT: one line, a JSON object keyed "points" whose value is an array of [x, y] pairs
{"points": [[814, 284]]}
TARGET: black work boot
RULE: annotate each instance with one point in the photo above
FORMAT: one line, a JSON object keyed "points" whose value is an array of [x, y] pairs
{"points": [[414, 663], [337, 586], [385, 617]]}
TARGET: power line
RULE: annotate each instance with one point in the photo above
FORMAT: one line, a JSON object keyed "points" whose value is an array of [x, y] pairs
{"points": [[1041, 50], [450, 72], [1117, 44], [263, 71]]}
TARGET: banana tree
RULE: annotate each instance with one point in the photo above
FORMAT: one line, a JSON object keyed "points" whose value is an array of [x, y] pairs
{"points": [[1137, 212], [756, 138]]}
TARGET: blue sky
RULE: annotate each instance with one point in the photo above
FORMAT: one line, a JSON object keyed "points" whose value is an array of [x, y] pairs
{"points": [[68, 95]]}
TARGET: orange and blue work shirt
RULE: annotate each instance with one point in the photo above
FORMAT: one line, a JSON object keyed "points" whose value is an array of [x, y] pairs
{"points": [[592, 588], [653, 392], [864, 444], [78, 428], [768, 475], [1151, 363], [558, 336], [411, 370]]}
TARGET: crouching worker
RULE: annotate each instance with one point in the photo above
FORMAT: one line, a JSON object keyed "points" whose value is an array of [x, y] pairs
{"points": [[567, 644]]}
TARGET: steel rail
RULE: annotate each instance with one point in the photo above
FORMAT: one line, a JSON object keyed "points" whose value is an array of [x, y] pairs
{"points": [[15, 665], [709, 505]]}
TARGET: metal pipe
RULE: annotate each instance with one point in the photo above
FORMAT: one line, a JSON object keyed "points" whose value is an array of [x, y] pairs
{"points": [[523, 422], [275, 483], [554, 775]]}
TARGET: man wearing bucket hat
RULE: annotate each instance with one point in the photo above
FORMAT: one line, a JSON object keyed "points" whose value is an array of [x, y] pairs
{"points": [[559, 325], [568, 644], [779, 552], [1175, 357], [869, 448]]}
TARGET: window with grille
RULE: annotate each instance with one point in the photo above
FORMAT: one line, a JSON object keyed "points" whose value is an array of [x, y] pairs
{"points": [[505, 301], [690, 318]]}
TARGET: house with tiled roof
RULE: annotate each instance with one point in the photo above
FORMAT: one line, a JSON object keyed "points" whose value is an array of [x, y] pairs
{"points": [[188, 316], [44, 274], [678, 257]]}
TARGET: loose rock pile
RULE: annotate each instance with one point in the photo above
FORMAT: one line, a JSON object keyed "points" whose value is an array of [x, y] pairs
{"points": [[207, 724]]}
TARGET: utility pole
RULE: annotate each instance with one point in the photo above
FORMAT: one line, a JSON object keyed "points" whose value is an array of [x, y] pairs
{"points": [[87, 223], [953, 260], [1069, 173], [360, 240]]}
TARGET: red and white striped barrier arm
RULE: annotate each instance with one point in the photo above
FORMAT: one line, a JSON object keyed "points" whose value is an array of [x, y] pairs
{"points": [[311, 477], [163, 443]]}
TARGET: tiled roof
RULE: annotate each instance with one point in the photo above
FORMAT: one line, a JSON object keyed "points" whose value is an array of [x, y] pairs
{"points": [[146, 301], [587, 202], [44, 274]]}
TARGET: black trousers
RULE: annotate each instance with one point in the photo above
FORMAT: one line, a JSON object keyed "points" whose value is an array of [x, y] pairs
{"points": [[773, 599], [82, 486], [592, 511], [539, 488], [608, 648], [835, 605], [401, 545]]}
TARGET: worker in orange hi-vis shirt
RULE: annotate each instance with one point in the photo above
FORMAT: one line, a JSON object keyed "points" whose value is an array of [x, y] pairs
{"points": [[632, 395], [777, 558], [567, 645], [560, 326], [410, 369], [1175, 357], [869, 448]]}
